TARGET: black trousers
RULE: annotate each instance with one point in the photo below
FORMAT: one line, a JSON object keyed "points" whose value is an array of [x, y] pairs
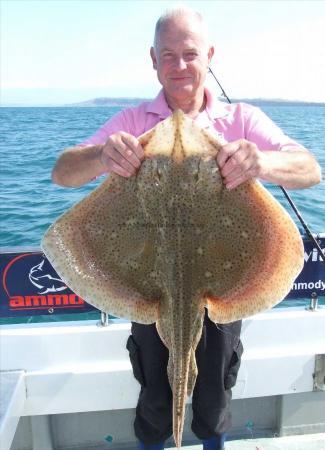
{"points": [[218, 357]]}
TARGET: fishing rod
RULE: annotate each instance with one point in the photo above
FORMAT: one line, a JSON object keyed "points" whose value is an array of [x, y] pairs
{"points": [[290, 201]]}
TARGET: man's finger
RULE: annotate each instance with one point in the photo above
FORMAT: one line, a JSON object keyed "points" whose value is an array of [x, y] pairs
{"points": [[134, 145], [225, 152], [233, 175], [131, 157], [114, 155], [237, 161], [123, 149], [116, 168], [237, 181]]}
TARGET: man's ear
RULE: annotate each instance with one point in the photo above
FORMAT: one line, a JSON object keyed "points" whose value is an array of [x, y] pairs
{"points": [[210, 53], [153, 58]]}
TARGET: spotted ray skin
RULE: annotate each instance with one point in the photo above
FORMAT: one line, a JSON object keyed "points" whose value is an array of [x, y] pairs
{"points": [[171, 241]]}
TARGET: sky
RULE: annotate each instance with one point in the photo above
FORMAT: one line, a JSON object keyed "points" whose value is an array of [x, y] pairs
{"points": [[65, 51]]}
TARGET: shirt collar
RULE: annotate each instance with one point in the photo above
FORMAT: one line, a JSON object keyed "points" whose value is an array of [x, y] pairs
{"points": [[159, 106], [215, 109]]}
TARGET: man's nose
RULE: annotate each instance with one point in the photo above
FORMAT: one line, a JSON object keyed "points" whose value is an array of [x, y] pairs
{"points": [[180, 63]]}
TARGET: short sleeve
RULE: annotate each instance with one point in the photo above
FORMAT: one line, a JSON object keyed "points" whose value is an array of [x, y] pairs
{"points": [[261, 130], [130, 120], [116, 123]]}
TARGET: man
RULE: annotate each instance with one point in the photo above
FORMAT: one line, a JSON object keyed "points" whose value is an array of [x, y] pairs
{"points": [[181, 56]]}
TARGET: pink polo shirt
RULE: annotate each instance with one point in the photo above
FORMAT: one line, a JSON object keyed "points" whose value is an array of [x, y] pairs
{"points": [[228, 121]]}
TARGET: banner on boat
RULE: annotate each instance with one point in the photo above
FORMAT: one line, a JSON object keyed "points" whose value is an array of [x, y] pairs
{"points": [[312, 278], [30, 286]]}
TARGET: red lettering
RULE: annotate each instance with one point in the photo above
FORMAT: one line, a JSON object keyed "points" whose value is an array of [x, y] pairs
{"points": [[35, 300], [20, 301], [17, 301], [75, 300], [57, 299]]}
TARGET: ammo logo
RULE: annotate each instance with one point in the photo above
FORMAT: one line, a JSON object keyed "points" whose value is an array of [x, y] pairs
{"points": [[31, 283]]}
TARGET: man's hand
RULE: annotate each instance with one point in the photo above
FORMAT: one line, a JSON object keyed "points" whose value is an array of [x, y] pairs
{"points": [[122, 154], [239, 161]]}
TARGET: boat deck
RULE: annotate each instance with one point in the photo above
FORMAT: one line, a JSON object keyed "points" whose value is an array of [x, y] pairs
{"points": [[306, 442], [67, 385]]}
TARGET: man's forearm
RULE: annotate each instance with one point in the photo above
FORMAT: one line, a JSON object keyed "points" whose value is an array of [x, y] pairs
{"points": [[241, 160], [292, 169], [78, 165]]}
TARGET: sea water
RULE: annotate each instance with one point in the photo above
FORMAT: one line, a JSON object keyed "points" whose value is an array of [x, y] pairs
{"points": [[33, 138]]}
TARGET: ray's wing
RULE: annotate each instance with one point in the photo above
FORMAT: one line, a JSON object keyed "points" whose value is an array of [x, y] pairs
{"points": [[105, 253], [262, 254]]}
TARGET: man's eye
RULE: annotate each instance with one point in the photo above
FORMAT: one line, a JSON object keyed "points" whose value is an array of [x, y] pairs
{"points": [[191, 55]]}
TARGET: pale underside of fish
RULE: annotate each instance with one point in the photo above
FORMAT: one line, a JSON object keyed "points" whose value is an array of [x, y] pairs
{"points": [[165, 244]]}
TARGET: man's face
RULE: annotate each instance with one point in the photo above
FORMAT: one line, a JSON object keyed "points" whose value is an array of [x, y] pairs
{"points": [[181, 58]]}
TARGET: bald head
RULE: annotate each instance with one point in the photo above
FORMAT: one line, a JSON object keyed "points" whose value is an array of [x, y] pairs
{"points": [[183, 17]]}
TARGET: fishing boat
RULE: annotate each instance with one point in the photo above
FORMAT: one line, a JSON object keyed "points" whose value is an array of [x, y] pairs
{"points": [[69, 384]]}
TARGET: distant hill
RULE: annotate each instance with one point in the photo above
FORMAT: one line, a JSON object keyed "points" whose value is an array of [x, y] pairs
{"points": [[111, 101], [128, 102], [274, 102]]}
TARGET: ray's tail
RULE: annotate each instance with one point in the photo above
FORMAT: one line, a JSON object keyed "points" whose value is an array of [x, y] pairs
{"points": [[181, 341], [182, 376]]}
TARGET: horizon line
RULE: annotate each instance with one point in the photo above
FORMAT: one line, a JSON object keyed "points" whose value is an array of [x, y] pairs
{"points": [[119, 98]]}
